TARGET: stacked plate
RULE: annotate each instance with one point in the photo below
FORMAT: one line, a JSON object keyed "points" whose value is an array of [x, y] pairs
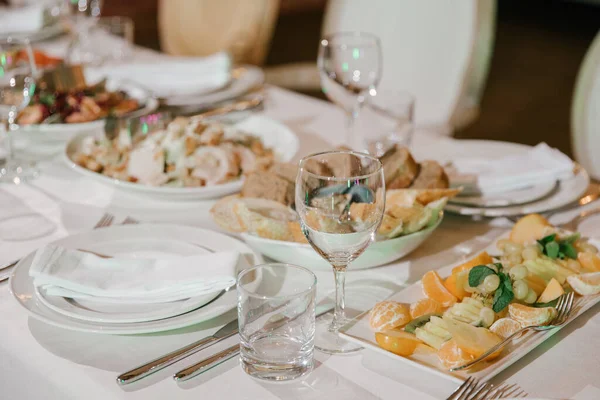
{"points": [[134, 241], [534, 189]]}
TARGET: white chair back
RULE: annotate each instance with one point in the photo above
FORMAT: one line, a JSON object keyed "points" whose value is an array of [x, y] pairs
{"points": [[437, 50], [585, 112]]}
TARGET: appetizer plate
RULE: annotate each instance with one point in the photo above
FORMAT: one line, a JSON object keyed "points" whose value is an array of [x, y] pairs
{"points": [[358, 331], [272, 133], [143, 240], [243, 79], [378, 253], [60, 133]]}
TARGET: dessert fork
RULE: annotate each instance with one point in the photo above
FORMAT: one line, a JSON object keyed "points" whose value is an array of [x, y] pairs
{"points": [[471, 389], [564, 307]]}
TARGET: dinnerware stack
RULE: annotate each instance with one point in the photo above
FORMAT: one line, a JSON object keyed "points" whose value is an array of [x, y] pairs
{"points": [[520, 181], [129, 279]]}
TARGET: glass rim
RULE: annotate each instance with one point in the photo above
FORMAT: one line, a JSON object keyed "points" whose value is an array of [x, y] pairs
{"points": [[336, 178], [357, 34], [15, 40], [310, 288]]}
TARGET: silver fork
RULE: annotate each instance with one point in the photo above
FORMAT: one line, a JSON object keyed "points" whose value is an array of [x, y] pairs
{"points": [[466, 389], [564, 307], [106, 220]]}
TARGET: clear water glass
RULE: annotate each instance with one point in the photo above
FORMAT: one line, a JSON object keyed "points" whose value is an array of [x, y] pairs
{"points": [[387, 120], [276, 321], [340, 198], [17, 85], [350, 69], [84, 15]]}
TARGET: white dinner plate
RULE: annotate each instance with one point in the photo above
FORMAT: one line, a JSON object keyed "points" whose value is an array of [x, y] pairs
{"points": [[509, 198], [61, 133], [133, 240], [122, 313], [46, 32], [358, 331], [243, 79], [378, 253], [568, 190], [274, 135]]}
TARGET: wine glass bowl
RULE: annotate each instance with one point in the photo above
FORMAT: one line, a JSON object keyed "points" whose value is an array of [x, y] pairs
{"points": [[350, 69], [17, 84], [340, 198]]}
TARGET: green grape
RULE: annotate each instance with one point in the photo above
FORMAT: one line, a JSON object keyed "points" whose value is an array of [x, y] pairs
{"points": [[491, 283], [501, 245], [530, 253], [531, 297], [520, 289], [487, 316], [512, 247], [518, 272]]}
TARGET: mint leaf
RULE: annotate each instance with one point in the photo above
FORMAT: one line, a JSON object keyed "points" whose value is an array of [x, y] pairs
{"points": [[547, 239], [572, 238], [504, 294], [477, 274], [568, 250], [548, 304], [552, 249]]}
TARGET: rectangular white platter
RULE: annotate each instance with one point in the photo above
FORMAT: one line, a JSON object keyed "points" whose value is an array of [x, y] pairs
{"points": [[358, 331]]}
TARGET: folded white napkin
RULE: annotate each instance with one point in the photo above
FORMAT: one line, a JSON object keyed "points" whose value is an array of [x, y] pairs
{"points": [[27, 18], [78, 274], [172, 76], [542, 163]]}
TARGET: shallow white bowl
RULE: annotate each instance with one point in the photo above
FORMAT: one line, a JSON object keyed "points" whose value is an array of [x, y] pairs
{"points": [[378, 253]]}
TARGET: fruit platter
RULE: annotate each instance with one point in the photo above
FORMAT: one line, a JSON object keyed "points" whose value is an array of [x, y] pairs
{"points": [[455, 315]]}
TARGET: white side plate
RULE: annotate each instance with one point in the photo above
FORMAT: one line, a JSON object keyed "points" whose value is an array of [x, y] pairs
{"points": [[118, 238]]}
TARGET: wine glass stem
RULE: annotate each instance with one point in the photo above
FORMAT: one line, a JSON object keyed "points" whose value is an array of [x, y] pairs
{"points": [[353, 137], [339, 316], [8, 144]]}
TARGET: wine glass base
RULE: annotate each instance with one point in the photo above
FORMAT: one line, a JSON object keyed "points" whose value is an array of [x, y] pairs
{"points": [[17, 172], [330, 341]]}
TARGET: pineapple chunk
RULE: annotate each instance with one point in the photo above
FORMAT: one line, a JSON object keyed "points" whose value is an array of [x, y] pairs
{"points": [[553, 291], [429, 338]]}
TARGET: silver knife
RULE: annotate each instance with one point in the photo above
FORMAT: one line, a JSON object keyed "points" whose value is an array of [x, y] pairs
{"points": [[156, 365], [221, 357]]}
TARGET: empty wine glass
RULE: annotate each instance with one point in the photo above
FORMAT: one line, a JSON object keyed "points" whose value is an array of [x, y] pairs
{"points": [[17, 84], [84, 15], [350, 68], [340, 198]]}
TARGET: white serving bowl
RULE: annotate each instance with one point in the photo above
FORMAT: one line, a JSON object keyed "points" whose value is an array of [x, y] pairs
{"points": [[378, 253]]}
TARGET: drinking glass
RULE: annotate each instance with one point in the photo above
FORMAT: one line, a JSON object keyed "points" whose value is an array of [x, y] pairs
{"points": [[84, 15], [276, 321], [387, 120], [350, 69], [17, 84], [340, 198]]}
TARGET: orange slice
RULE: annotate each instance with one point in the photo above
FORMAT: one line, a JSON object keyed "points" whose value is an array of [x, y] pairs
{"points": [[455, 284], [388, 315], [481, 259], [397, 342], [504, 327], [529, 228], [451, 355], [585, 284], [589, 261], [425, 306], [529, 316], [434, 288]]}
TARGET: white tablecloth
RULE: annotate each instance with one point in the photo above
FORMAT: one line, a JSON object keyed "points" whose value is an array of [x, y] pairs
{"points": [[38, 361]]}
